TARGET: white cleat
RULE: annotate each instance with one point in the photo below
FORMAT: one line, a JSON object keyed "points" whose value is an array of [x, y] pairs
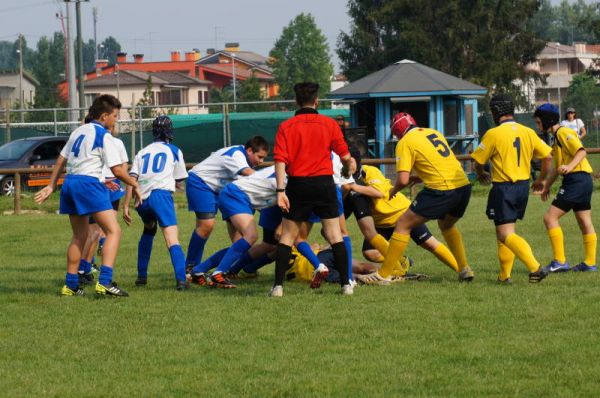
{"points": [[347, 290], [276, 291], [373, 279]]}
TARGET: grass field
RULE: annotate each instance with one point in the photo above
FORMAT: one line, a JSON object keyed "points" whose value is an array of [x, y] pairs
{"points": [[432, 338]]}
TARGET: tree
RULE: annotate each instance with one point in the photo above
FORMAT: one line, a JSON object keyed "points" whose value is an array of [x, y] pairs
{"points": [[487, 42], [301, 54], [250, 91], [583, 94], [147, 99], [109, 49], [567, 22]]}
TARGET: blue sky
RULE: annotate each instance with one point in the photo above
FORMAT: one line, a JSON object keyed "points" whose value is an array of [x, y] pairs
{"points": [[154, 27]]}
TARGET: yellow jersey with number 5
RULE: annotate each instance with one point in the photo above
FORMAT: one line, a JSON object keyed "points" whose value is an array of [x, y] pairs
{"points": [[428, 153], [510, 148]]}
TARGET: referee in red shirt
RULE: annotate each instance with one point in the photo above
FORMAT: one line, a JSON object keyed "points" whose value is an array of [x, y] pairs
{"points": [[303, 146]]}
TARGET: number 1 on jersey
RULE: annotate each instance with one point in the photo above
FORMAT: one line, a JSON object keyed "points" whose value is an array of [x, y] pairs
{"points": [[517, 145]]}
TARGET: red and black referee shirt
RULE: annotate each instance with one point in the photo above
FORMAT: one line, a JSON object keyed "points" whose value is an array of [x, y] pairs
{"points": [[304, 143]]}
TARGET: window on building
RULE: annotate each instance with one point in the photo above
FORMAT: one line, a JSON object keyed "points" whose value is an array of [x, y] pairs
{"points": [[170, 97], [89, 98], [450, 116]]}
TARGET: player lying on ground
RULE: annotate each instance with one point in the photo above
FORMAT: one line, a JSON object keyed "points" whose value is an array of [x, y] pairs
{"points": [[575, 192], [88, 149], [510, 147]]}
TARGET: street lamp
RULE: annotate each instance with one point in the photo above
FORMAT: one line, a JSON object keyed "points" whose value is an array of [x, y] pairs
{"points": [[558, 78], [234, 85], [117, 73], [21, 97]]}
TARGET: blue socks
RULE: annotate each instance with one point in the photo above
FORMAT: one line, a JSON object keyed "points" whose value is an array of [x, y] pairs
{"points": [[195, 249], [84, 267], [348, 244], [72, 281], [101, 241], [241, 263], [210, 262], [144, 252], [234, 253], [105, 277], [306, 251], [178, 261], [258, 263]]}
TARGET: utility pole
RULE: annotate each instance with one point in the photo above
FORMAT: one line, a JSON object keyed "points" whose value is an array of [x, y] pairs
{"points": [[21, 96], [95, 15], [80, 76], [558, 78], [73, 115], [234, 83]]}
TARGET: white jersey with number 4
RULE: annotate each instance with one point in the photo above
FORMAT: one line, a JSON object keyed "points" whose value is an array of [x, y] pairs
{"points": [[222, 167], [260, 188], [158, 166], [107, 173], [90, 147]]}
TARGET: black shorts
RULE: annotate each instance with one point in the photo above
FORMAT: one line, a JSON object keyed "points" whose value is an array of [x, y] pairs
{"points": [[309, 195], [357, 204], [115, 205], [436, 205], [418, 234], [575, 192], [507, 201]]}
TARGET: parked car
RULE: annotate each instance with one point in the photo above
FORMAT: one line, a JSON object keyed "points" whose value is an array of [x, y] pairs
{"points": [[39, 152]]}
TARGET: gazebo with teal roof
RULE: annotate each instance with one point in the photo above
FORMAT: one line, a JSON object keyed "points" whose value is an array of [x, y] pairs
{"points": [[434, 98]]}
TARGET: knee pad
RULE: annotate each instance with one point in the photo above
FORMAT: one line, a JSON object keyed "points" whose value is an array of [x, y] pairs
{"points": [[150, 231]]}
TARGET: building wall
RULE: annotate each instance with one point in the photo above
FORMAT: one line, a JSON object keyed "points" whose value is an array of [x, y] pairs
{"points": [[10, 94]]}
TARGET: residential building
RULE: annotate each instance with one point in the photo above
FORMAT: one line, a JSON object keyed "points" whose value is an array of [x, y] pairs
{"points": [[9, 88]]}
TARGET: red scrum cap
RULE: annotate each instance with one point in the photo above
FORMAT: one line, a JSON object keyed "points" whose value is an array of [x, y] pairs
{"points": [[401, 123]]}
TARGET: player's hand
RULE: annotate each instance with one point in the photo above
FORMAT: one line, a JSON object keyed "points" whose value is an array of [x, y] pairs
{"points": [[538, 186], [126, 216], [283, 202], [137, 194], [346, 171], [564, 169], [484, 178], [42, 195], [112, 186], [545, 194]]}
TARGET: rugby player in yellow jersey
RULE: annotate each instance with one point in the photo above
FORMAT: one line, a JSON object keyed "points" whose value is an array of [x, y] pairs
{"points": [[376, 215], [445, 196], [575, 192], [510, 147]]}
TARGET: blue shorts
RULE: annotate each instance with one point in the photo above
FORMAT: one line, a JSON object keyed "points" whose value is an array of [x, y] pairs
{"points": [[159, 206], [575, 193], [436, 205], [82, 195], [233, 201], [507, 201], [419, 235], [116, 195], [340, 203], [201, 198], [270, 218]]}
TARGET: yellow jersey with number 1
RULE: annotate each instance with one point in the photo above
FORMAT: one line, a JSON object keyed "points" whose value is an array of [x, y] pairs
{"points": [[510, 148], [428, 153]]}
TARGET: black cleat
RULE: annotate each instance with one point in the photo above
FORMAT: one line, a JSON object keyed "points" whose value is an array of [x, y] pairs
{"points": [[110, 290], [538, 276], [141, 281], [86, 279], [182, 285]]}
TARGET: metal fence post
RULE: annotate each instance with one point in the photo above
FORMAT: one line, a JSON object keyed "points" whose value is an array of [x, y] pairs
{"points": [[7, 134], [141, 129], [224, 125], [17, 193], [55, 122], [132, 127]]}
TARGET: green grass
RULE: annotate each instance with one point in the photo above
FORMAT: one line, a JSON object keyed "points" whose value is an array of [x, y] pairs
{"points": [[432, 338]]}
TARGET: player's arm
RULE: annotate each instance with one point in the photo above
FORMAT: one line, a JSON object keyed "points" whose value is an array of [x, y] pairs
{"points": [[126, 201], [545, 194], [567, 168], [539, 183], [367, 191], [402, 181], [348, 165], [246, 171], [282, 199], [482, 175], [42, 195], [122, 175]]}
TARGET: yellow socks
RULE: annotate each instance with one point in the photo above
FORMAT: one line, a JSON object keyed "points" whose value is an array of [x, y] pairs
{"points": [[398, 244], [522, 250], [589, 244], [380, 243], [445, 255], [558, 246], [454, 239], [507, 259]]}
